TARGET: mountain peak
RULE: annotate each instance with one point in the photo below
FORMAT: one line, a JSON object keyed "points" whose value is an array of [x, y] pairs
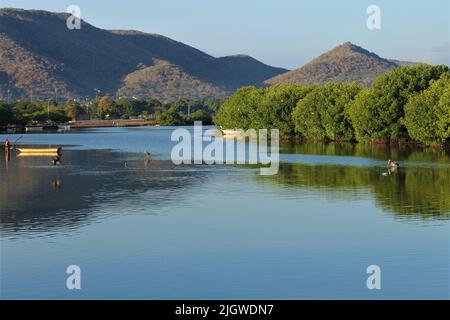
{"points": [[348, 48], [347, 44], [351, 47], [347, 62]]}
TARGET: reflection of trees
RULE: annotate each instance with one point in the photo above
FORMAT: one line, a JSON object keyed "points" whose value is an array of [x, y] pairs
{"points": [[326, 149], [410, 192], [423, 191], [373, 151], [30, 200]]}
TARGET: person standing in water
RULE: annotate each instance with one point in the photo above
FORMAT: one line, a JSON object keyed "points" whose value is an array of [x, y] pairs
{"points": [[7, 145], [7, 149]]}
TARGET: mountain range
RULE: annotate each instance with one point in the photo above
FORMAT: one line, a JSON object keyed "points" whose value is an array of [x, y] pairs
{"points": [[40, 57], [39, 54]]}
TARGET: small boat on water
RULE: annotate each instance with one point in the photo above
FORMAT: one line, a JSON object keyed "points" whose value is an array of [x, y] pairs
{"points": [[39, 151], [63, 128], [34, 129], [232, 133]]}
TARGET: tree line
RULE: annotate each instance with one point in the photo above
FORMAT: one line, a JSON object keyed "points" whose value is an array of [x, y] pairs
{"points": [[407, 103], [177, 112]]}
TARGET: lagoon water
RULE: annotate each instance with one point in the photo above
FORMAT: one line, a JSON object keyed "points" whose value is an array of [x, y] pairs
{"points": [[152, 230]]}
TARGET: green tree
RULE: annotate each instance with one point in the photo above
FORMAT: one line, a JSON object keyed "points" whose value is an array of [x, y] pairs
{"points": [[24, 110], [170, 117], [239, 110], [200, 115], [126, 108], [427, 114], [275, 109], [262, 108], [214, 104], [73, 110], [105, 107], [443, 112], [307, 118], [52, 113], [377, 113], [152, 105], [6, 114], [322, 113]]}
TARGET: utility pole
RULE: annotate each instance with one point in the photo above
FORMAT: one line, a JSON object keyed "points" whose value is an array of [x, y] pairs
{"points": [[87, 108], [96, 93]]}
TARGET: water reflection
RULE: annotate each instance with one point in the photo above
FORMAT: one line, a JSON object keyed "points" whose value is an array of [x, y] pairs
{"points": [[412, 192], [36, 196], [56, 184], [380, 153], [420, 187], [144, 228]]}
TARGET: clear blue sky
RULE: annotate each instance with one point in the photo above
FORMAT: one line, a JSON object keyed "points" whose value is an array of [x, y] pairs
{"points": [[285, 33]]}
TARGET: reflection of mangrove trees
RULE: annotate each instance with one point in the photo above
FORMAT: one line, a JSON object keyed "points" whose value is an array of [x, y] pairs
{"points": [[373, 151], [409, 192]]}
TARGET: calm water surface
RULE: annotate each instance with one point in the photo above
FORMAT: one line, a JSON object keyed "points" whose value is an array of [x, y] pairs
{"points": [[153, 230]]}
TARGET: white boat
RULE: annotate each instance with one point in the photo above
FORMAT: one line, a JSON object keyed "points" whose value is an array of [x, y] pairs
{"points": [[63, 128], [232, 133], [34, 129]]}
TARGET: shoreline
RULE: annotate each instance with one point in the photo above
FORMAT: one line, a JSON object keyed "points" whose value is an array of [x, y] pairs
{"points": [[84, 124], [111, 123], [89, 124]]}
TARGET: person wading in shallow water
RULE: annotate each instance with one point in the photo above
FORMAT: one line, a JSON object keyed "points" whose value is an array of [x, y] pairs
{"points": [[7, 145], [7, 149]]}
